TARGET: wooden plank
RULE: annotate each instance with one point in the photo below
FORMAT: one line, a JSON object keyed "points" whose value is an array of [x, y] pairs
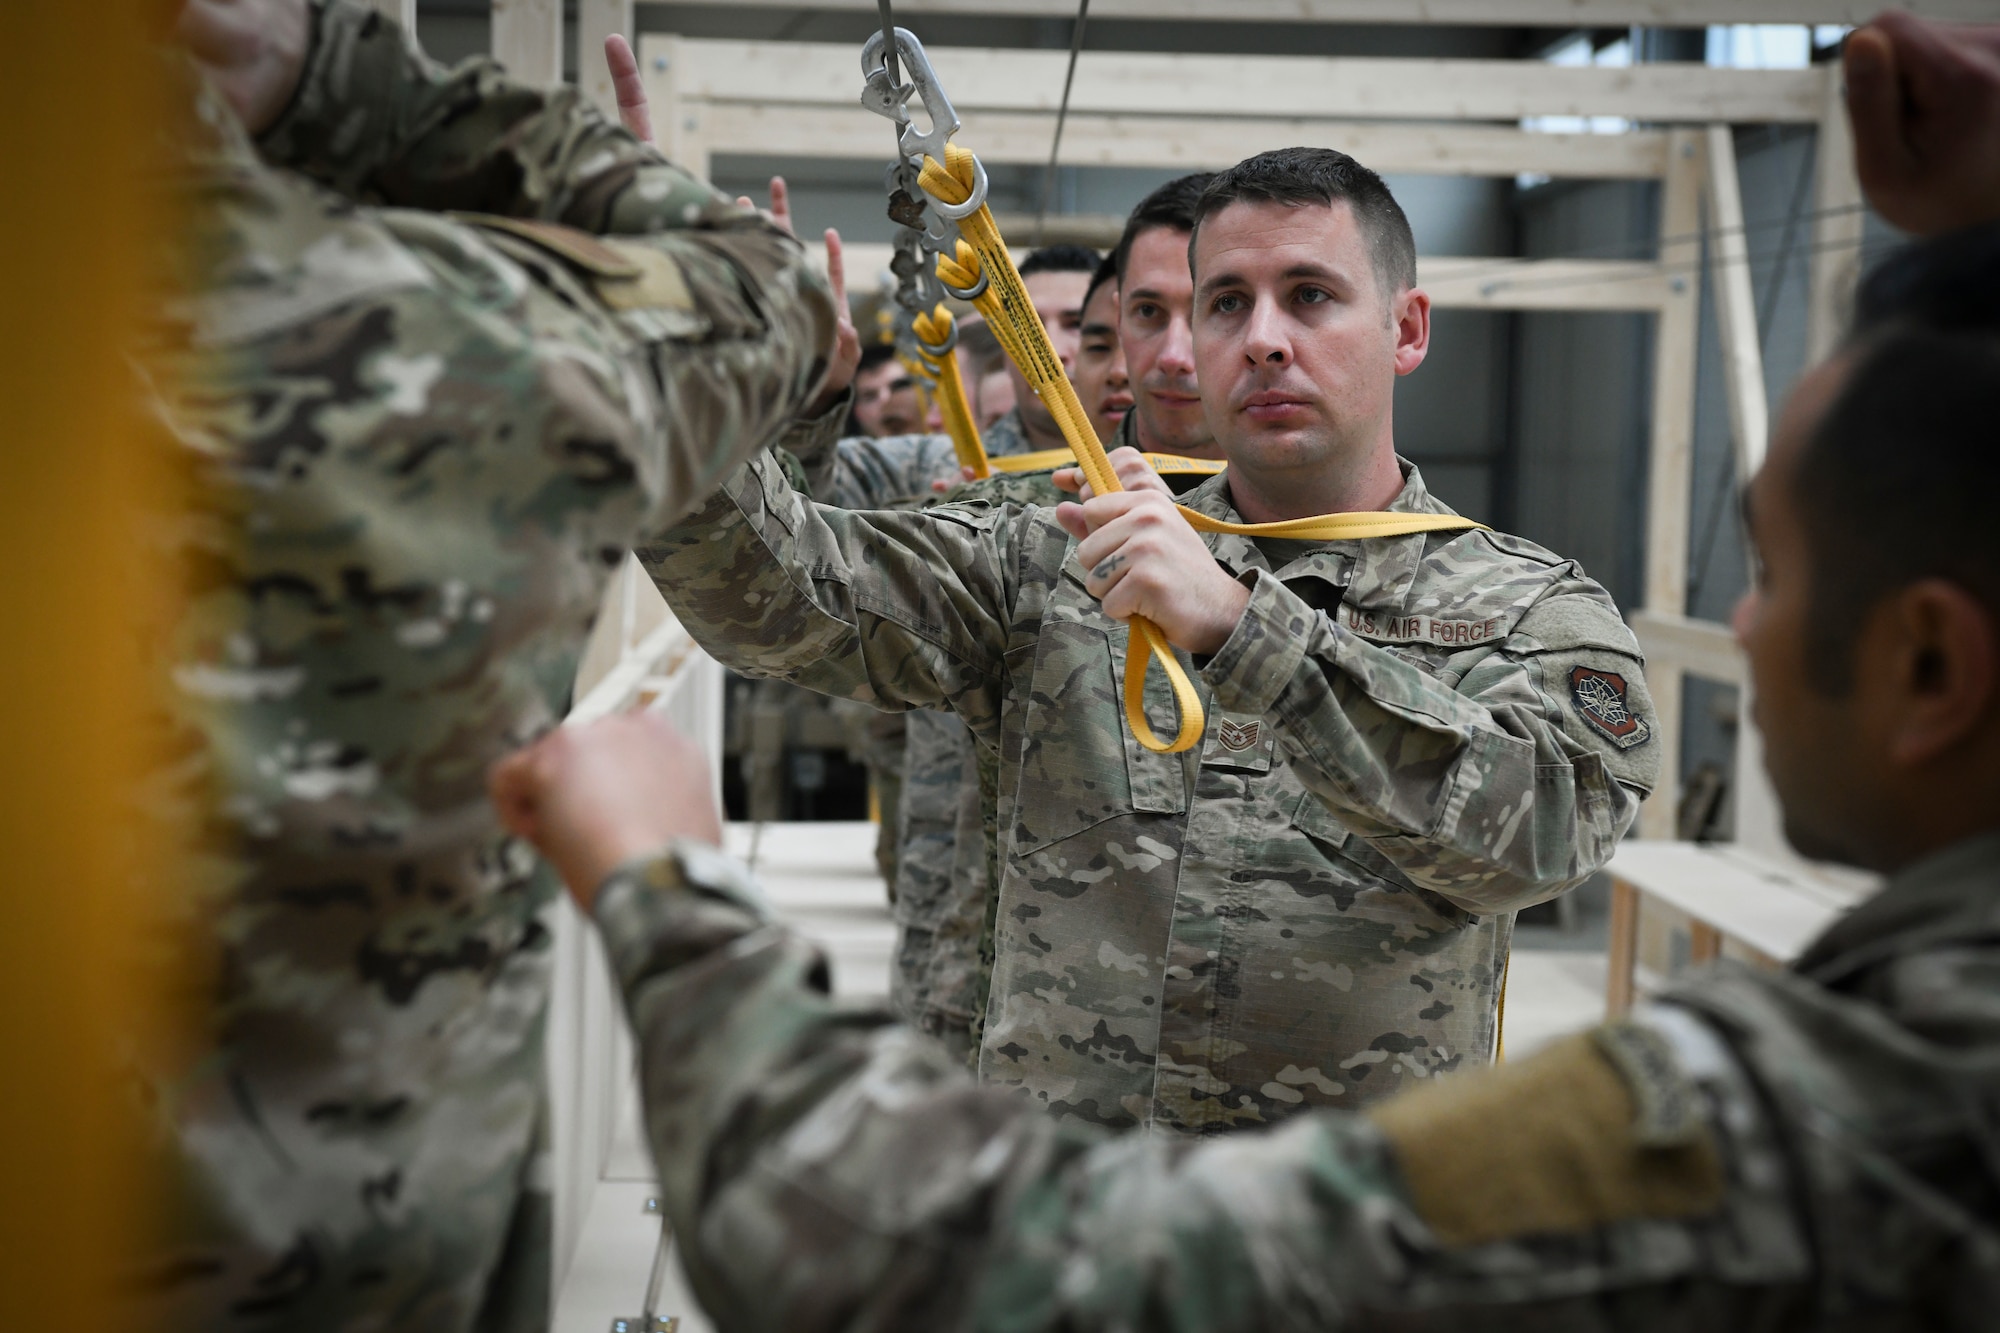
{"points": [[1838, 219], [1704, 943], [1454, 283], [1758, 905], [595, 21], [528, 39], [403, 11], [1736, 307], [1508, 13], [1332, 87], [1682, 643], [1190, 143], [1622, 949], [1545, 284], [1671, 461]]}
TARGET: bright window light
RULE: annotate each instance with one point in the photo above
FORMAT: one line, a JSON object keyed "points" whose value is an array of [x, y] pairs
{"points": [[1760, 46]]}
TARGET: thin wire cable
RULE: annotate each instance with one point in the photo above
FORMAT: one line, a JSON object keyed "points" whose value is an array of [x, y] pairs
{"points": [[1062, 115], [1635, 249], [1726, 479], [889, 61]]}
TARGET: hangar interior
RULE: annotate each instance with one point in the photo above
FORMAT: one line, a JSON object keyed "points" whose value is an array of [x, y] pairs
{"points": [[1638, 220]]}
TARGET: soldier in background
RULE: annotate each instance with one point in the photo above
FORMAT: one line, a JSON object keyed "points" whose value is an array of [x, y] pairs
{"points": [[420, 442], [1102, 382], [1409, 737]]}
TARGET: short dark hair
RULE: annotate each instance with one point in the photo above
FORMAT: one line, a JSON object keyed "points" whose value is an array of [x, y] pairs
{"points": [[1896, 482], [1059, 259], [1170, 207], [874, 354], [1303, 176], [1107, 271]]}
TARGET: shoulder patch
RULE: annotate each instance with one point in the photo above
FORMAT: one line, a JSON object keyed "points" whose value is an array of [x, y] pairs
{"points": [[1599, 698], [1570, 1139]]}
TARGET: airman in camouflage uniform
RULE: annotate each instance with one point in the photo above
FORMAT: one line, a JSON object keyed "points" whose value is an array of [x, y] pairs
{"points": [[423, 441], [1223, 937]]}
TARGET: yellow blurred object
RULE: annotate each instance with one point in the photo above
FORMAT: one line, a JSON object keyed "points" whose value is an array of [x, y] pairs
{"points": [[935, 330], [86, 107]]}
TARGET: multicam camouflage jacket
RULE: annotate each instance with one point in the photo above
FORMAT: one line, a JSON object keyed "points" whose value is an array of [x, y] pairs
{"points": [[1809, 1149], [1408, 739], [420, 446]]}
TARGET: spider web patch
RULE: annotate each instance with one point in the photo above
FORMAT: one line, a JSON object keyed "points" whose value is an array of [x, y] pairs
{"points": [[1600, 699]]}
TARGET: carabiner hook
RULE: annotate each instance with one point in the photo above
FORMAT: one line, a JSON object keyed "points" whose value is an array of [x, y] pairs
{"points": [[889, 99]]}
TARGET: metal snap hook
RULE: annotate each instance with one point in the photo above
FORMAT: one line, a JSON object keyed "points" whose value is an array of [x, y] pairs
{"points": [[891, 100]]}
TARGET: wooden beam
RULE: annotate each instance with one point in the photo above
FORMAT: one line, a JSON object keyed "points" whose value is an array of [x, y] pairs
{"points": [[1187, 143], [1681, 643], [1508, 13], [1454, 283], [528, 39], [679, 125], [403, 11], [1622, 950], [595, 21], [1671, 462], [1329, 87], [1838, 220], [1736, 307]]}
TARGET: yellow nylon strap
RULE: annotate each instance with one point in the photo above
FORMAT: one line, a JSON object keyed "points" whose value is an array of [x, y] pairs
{"points": [[1011, 316], [1164, 464], [935, 329], [1017, 326]]}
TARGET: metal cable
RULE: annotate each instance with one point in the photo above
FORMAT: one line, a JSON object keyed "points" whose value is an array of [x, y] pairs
{"points": [[1062, 115]]}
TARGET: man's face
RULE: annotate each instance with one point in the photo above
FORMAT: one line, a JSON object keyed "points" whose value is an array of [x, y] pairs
{"points": [[1058, 299], [994, 396], [1297, 346], [885, 400], [1153, 304], [1813, 746], [1101, 381]]}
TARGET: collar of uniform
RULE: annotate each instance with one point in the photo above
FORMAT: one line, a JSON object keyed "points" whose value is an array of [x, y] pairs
{"points": [[1378, 572], [1949, 895], [1005, 436]]}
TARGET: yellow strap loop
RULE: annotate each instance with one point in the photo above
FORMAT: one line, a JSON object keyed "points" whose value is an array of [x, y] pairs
{"points": [[1012, 317], [935, 328]]}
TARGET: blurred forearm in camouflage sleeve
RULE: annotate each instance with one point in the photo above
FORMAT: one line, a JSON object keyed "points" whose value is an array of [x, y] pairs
{"points": [[730, 386], [380, 123], [825, 1169]]}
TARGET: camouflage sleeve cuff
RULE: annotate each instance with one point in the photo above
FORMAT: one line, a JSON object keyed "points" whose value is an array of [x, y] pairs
{"points": [[1264, 651], [811, 441], [662, 911]]}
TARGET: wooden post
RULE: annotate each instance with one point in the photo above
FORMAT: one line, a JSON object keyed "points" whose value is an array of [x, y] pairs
{"points": [[1670, 471], [1704, 943], [1623, 949], [1837, 226], [403, 11], [595, 21], [528, 39], [1736, 307], [677, 120]]}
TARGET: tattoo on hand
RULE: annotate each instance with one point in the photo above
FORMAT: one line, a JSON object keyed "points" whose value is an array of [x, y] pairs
{"points": [[1108, 566]]}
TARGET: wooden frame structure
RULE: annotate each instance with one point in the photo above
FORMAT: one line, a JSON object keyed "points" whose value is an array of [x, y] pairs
{"points": [[1190, 112]]}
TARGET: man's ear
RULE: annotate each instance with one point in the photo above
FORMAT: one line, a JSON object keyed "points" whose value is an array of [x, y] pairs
{"points": [[1410, 312], [1938, 650]]}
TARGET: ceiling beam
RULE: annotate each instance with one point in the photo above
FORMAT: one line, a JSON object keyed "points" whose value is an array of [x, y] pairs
{"points": [[1502, 13], [1191, 143], [1313, 87]]}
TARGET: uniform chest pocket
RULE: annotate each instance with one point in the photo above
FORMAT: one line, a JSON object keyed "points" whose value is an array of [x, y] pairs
{"points": [[1079, 762]]}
